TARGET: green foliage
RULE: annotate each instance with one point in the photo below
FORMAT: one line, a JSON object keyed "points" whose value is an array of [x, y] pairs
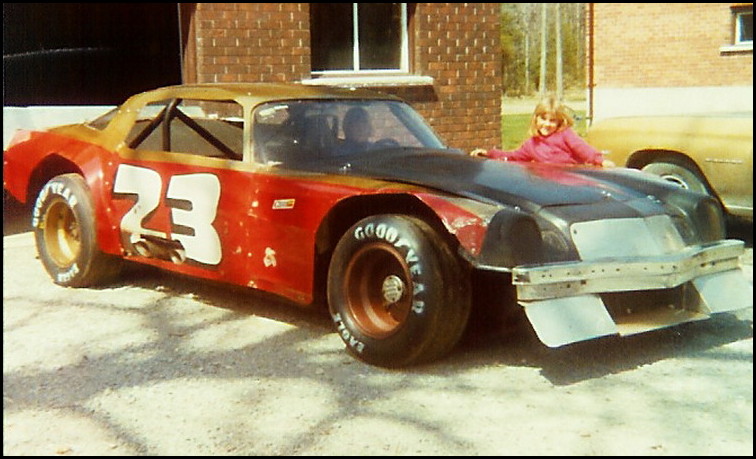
{"points": [[514, 130], [520, 38]]}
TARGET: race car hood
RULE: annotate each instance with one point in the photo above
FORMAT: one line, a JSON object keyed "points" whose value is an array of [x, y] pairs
{"points": [[529, 186], [540, 199]]}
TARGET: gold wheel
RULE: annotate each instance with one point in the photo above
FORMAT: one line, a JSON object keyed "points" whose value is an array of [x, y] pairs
{"points": [[61, 233], [65, 234]]}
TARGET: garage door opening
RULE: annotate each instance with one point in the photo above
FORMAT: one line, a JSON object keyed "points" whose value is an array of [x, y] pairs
{"points": [[87, 53]]}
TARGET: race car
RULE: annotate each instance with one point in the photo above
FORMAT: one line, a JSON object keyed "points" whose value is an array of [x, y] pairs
{"points": [[348, 195]]}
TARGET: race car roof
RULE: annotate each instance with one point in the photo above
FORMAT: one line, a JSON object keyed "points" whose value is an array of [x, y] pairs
{"points": [[254, 93]]}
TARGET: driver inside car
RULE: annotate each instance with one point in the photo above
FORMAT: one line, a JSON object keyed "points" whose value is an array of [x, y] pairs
{"points": [[357, 131]]}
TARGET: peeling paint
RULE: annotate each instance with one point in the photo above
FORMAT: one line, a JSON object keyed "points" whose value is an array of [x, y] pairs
{"points": [[462, 222], [270, 258]]}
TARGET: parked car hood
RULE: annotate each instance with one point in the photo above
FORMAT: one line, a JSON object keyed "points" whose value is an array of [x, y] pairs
{"points": [[527, 185]]}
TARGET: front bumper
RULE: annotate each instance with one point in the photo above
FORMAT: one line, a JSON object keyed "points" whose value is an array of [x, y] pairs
{"points": [[570, 302], [626, 274]]}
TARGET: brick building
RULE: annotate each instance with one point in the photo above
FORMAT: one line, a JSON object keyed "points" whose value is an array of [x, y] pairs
{"points": [[444, 58], [448, 63], [669, 58]]}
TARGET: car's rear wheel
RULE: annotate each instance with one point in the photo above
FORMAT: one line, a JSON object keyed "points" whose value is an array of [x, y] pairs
{"points": [[65, 233], [397, 292], [679, 173]]}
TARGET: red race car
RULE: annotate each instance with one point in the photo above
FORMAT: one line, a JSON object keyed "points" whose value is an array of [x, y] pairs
{"points": [[302, 191]]}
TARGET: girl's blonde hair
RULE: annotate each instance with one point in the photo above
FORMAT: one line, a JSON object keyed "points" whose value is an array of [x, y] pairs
{"points": [[550, 105]]}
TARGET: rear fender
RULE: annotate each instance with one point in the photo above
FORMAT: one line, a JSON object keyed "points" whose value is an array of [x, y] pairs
{"points": [[48, 155]]}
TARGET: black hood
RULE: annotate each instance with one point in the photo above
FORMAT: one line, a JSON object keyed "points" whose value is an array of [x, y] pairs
{"points": [[529, 186]]}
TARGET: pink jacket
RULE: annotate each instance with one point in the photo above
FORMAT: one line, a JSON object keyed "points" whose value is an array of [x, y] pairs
{"points": [[563, 147]]}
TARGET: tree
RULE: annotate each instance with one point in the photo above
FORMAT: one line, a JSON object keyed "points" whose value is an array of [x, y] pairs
{"points": [[561, 64], [558, 54], [544, 35]]}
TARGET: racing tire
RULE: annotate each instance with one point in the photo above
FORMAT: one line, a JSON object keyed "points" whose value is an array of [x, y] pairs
{"points": [[65, 233], [397, 293], [678, 173]]}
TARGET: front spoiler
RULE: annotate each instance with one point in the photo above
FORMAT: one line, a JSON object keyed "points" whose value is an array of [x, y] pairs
{"points": [[571, 302]]}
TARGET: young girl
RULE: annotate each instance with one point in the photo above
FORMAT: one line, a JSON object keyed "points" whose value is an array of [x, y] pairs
{"points": [[552, 140]]}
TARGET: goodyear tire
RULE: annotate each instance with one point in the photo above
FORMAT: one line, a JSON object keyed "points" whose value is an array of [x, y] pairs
{"points": [[65, 232], [397, 293]]}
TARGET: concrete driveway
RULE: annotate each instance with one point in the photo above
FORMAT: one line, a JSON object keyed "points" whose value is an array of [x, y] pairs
{"points": [[163, 365]]}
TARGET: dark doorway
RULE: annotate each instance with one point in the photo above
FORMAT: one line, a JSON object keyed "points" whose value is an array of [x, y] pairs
{"points": [[87, 53]]}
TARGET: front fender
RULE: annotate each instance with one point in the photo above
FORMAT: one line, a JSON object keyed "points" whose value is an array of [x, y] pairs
{"points": [[465, 219]]}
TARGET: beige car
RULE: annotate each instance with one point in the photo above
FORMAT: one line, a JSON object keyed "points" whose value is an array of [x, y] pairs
{"points": [[710, 154]]}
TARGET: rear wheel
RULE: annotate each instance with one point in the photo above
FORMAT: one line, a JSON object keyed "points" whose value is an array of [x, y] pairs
{"points": [[65, 233], [397, 292]]}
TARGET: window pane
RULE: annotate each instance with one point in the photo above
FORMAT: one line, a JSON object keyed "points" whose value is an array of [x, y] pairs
{"points": [[745, 27], [380, 36], [331, 36]]}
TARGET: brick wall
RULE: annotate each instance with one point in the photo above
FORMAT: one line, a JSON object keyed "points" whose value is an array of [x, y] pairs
{"points": [[251, 42], [666, 45], [457, 44]]}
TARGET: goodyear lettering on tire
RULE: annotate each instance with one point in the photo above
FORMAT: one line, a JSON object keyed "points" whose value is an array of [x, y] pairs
{"points": [[393, 236]]}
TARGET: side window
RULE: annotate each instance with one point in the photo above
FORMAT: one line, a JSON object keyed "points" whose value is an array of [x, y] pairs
{"points": [[199, 127], [275, 133], [359, 37]]}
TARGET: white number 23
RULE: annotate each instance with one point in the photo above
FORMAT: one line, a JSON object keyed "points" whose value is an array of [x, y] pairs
{"points": [[201, 191]]}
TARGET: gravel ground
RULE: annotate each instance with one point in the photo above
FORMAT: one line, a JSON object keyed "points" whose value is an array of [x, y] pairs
{"points": [[163, 365]]}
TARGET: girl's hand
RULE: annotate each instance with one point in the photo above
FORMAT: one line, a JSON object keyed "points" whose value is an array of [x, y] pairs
{"points": [[479, 152]]}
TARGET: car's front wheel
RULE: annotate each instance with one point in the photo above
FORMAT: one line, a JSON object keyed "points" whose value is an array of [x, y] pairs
{"points": [[64, 229], [397, 292]]}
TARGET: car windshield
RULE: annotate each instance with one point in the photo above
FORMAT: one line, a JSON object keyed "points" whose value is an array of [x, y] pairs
{"points": [[294, 131]]}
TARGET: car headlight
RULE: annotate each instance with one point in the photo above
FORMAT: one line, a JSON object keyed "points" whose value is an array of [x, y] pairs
{"points": [[513, 239]]}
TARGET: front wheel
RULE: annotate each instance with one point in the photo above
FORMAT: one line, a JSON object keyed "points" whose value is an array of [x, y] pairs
{"points": [[64, 229], [396, 291]]}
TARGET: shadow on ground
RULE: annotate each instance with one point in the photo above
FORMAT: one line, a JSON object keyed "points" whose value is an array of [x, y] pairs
{"points": [[516, 346]]}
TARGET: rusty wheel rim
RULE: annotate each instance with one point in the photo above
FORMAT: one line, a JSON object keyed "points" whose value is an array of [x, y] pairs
{"points": [[61, 233], [376, 286]]}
